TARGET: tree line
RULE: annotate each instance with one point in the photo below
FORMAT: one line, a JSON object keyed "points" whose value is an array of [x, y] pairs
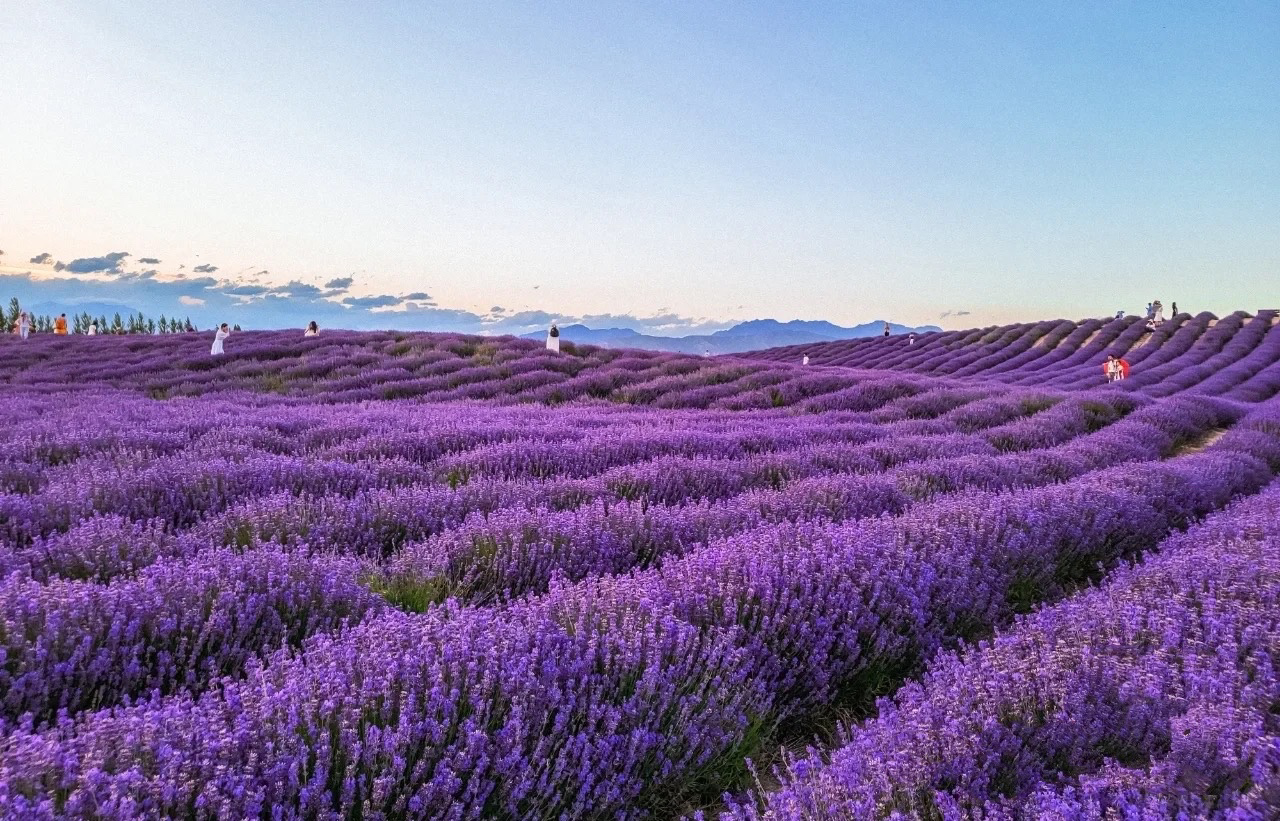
{"points": [[80, 323]]}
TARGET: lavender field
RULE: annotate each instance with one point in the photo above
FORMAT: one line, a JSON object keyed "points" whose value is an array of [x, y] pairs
{"points": [[387, 575]]}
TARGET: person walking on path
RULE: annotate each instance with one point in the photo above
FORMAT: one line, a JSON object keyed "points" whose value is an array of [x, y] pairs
{"points": [[223, 333], [60, 325], [553, 338], [312, 329], [24, 325]]}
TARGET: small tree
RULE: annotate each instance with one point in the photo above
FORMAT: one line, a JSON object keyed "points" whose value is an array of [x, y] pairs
{"points": [[151, 326], [14, 310], [75, 324], [117, 324], [164, 325], [235, 327], [189, 328]]}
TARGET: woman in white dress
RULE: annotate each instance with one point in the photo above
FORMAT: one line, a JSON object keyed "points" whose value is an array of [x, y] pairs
{"points": [[553, 338], [24, 325], [223, 333], [93, 329], [312, 329]]}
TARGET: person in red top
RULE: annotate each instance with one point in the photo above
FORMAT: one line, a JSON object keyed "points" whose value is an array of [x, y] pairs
{"points": [[1115, 368]]}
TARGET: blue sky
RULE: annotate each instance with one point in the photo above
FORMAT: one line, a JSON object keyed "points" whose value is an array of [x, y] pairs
{"points": [[670, 165]]}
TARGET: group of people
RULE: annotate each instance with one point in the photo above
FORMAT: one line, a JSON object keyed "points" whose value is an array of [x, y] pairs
{"points": [[1155, 313], [22, 327], [224, 331]]}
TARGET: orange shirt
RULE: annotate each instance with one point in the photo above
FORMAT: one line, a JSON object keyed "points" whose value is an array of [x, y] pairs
{"points": [[60, 326]]}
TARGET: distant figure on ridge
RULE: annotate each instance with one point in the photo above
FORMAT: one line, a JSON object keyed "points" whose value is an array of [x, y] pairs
{"points": [[553, 338], [1120, 314], [805, 361], [223, 333], [60, 325], [93, 328], [312, 329], [911, 339], [24, 325], [1173, 310], [1115, 368], [886, 330]]}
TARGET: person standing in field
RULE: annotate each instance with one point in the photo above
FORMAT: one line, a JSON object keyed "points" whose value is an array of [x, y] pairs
{"points": [[553, 338], [911, 340], [886, 330], [805, 361], [93, 329], [60, 325], [1115, 368], [222, 333], [1173, 310], [24, 325], [312, 329]]}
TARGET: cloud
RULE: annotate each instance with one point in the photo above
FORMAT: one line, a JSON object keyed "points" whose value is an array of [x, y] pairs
{"points": [[59, 266], [497, 309], [205, 269], [149, 273], [245, 290], [419, 296], [299, 290], [148, 261], [190, 300], [383, 301], [338, 283], [946, 314], [42, 259], [109, 263]]}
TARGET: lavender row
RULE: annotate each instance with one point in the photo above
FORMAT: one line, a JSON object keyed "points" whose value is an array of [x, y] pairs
{"points": [[74, 646], [1150, 697], [377, 523], [512, 552], [607, 696]]}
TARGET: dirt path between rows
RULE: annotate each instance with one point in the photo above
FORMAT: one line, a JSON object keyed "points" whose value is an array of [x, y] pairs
{"points": [[1202, 442]]}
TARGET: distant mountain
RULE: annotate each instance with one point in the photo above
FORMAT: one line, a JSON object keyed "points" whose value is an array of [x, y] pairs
{"points": [[752, 335]]}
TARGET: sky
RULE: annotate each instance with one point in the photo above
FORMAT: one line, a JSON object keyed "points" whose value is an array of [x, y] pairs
{"points": [[673, 167]]}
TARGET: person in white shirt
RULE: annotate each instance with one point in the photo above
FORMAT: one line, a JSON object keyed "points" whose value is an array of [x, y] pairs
{"points": [[553, 338], [93, 329], [223, 333], [805, 361], [312, 329]]}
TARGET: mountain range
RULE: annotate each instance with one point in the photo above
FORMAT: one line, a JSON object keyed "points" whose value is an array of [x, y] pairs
{"points": [[752, 335]]}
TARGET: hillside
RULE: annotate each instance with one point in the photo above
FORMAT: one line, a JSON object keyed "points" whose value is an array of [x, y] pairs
{"points": [[386, 575], [1237, 357]]}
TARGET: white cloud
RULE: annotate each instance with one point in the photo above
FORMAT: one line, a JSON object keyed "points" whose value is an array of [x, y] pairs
{"points": [[190, 300]]}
